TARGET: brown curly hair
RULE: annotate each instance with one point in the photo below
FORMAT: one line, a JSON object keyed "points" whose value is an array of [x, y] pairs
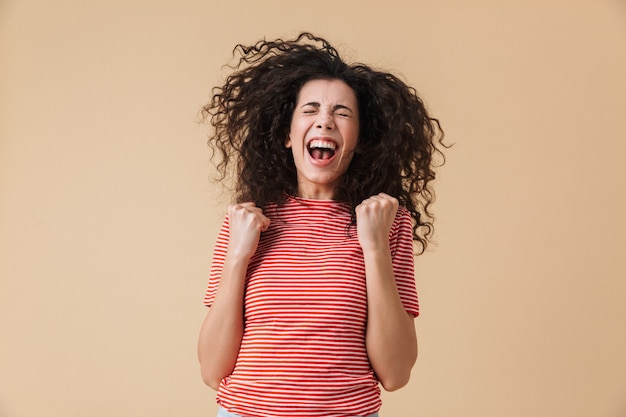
{"points": [[251, 114]]}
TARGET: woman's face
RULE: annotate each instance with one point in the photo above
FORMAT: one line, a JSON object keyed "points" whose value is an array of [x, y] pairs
{"points": [[323, 135]]}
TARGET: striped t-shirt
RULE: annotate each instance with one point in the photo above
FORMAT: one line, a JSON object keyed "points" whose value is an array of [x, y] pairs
{"points": [[303, 349]]}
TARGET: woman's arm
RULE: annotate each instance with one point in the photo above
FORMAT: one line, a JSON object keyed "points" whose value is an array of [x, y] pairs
{"points": [[222, 329], [390, 335]]}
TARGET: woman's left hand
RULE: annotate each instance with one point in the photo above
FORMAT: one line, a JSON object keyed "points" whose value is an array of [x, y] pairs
{"points": [[374, 217]]}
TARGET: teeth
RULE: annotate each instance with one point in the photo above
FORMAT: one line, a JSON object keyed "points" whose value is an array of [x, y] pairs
{"points": [[318, 143]]}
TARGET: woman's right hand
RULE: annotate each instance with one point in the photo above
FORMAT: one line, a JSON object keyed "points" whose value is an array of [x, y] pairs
{"points": [[246, 222], [222, 330]]}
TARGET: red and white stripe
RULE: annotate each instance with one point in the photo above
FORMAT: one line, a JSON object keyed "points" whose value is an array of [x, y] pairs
{"points": [[303, 351]]}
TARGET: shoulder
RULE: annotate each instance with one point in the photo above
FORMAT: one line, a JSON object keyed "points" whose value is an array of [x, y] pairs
{"points": [[403, 215]]}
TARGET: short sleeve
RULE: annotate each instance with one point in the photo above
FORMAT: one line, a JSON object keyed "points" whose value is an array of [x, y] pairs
{"points": [[217, 264], [403, 259]]}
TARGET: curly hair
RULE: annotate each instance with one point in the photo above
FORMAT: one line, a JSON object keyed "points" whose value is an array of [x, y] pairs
{"points": [[251, 115]]}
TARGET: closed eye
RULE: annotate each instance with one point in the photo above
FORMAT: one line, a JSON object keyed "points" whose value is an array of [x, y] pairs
{"points": [[310, 108], [339, 110], [343, 111]]}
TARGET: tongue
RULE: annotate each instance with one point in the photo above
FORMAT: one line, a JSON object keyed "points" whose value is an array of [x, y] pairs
{"points": [[321, 153]]}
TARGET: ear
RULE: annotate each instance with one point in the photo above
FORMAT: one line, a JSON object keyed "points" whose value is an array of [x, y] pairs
{"points": [[288, 141]]}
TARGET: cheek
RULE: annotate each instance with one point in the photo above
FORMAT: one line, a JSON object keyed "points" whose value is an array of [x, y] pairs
{"points": [[293, 136], [352, 137]]}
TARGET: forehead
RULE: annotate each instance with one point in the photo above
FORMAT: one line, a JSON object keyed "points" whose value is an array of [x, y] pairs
{"points": [[327, 92]]}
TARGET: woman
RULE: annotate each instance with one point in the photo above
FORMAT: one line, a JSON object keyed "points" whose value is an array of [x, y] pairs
{"points": [[311, 294]]}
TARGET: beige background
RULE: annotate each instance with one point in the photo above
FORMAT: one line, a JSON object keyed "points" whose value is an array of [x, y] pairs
{"points": [[107, 217]]}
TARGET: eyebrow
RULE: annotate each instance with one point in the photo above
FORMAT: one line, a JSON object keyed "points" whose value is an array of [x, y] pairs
{"points": [[335, 107]]}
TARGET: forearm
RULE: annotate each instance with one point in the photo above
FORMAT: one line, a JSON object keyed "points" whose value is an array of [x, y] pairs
{"points": [[222, 329], [390, 339]]}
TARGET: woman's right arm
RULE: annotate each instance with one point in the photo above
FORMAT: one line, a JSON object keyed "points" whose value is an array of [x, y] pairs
{"points": [[222, 329]]}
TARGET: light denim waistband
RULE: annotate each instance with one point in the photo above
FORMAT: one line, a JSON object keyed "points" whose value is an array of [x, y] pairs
{"points": [[223, 413]]}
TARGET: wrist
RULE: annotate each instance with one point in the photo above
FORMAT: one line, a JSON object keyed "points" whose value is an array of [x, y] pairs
{"points": [[376, 248], [238, 253]]}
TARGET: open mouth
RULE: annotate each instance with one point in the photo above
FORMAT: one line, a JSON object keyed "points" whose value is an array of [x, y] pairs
{"points": [[321, 149]]}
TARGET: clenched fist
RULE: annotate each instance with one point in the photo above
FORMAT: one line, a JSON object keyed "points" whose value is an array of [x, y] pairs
{"points": [[374, 217], [246, 222]]}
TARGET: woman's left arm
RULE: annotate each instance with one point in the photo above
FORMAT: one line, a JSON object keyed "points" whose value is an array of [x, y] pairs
{"points": [[391, 340]]}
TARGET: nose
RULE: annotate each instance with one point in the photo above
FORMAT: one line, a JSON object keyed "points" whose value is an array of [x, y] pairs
{"points": [[325, 121]]}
